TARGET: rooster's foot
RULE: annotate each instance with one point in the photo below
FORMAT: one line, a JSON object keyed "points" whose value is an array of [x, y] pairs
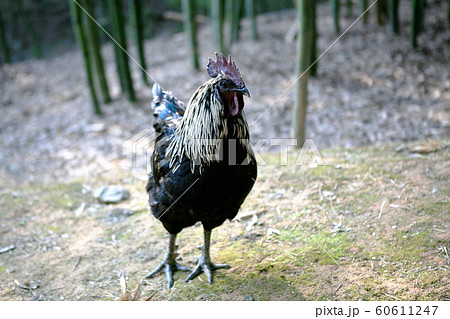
{"points": [[169, 268], [207, 267]]}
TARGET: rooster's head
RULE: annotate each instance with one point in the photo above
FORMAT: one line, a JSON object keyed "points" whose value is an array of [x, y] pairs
{"points": [[230, 88]]}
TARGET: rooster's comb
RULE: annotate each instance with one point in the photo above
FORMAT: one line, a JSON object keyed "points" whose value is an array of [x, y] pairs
{"points": [[228, 68]]}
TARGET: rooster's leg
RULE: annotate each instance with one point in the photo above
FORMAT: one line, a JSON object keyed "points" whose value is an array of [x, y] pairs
{"points": [[205, 264], [169, 265]]}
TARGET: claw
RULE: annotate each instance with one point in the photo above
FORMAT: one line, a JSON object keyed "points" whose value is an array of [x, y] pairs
{"points": [[169, 265], [169, 269], [207, 268]]}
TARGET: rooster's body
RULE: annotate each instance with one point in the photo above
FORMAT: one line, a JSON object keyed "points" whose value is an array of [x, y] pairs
{"points": [[202, 167]]}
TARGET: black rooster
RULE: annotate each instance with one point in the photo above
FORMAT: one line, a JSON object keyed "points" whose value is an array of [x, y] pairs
{"points": [[203, 166]]}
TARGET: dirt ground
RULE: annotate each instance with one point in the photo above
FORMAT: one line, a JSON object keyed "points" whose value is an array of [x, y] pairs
{"points": [[371, 224]]}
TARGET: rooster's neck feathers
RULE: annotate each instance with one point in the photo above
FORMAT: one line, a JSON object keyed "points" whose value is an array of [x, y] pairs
{"points": [[202, 128]]}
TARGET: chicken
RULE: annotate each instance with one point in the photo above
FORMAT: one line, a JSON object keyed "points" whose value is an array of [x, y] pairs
{"points": [[203, 166]]}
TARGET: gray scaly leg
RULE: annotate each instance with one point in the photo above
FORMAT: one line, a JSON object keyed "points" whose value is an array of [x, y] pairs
{"points": [[169, 265], [205, 264]]}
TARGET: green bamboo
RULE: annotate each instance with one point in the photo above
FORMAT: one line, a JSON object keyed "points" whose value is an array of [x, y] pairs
{"points": [[234, 20], [240, 8], [231, 22], [118, 29], [190, 27], [417, 7], [82, 42], [217, 18], [30, 31], [348, 6], [136, 21], [12, 18], [3, 43], [250, 13], [335, 6], [382, 11], [313, 70], [304, 43], [448, 12], [125, 58], [364, 6], [117, 49], [93, 38], [393, 16]]}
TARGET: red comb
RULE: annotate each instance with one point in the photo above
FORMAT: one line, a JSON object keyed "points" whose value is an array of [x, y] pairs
{"points": [[229, 68]]}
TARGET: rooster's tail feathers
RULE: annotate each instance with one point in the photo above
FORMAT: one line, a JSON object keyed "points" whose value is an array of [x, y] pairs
{"points": [[165, 106]]}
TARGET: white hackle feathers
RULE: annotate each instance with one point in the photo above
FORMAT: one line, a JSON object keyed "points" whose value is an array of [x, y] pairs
{"points": [[202, 128]]}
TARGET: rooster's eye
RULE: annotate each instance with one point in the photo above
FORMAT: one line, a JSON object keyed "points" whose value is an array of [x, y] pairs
{"points": [[225, 85]]}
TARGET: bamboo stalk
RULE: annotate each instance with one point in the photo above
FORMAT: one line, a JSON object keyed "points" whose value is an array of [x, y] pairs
{"points": [[217, 19], [231, 24], [382, 11], [393, 16], [12, 18], [313, 70], [136, 21], [348, 6], [3, 43], [190, 26], [448, 13], [126, 63], [417, 7], [118, 28], [364, 6], [117, 49], [335, 7], [30, 31], [233, 11], [240, 13], [82, 42], [93, 39], [304, 42], [250, 13]]}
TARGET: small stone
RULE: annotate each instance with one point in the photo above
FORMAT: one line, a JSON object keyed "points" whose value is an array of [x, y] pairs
{"points": [[111, 194], [80, 209], [279, 194], [117, 215], [96, 127], [327, 193]]}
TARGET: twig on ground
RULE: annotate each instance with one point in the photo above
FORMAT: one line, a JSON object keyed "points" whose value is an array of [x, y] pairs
{"points": [[77, 263], [381, 209]]}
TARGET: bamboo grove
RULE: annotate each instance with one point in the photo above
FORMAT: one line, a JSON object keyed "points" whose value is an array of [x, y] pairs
{"points": [[122, 23]]}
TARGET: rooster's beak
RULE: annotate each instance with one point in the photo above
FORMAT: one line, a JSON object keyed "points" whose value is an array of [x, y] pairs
{"points": [[243, 91]]}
